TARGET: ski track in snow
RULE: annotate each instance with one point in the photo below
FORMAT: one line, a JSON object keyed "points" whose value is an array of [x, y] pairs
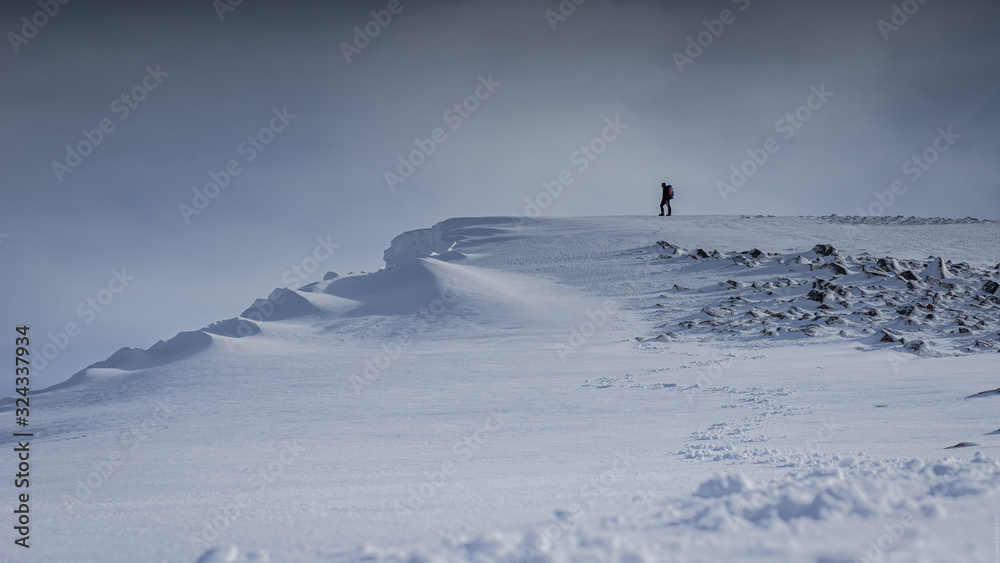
{"points": [[756, 389]]}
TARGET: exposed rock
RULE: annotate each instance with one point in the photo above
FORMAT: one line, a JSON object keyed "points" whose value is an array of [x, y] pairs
{"points": [[824, 249], [963, 445], [937, 269], [671, 249], [816, 295], [741, 260], [935, 281], [838, 269], [716, 312], [872, 272], [929, 311], [891, 337], [890, 265]]}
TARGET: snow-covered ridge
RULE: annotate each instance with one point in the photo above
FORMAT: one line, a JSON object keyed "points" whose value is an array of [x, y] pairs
{"points": [[418, 274], [787, 302], [720, 409]]}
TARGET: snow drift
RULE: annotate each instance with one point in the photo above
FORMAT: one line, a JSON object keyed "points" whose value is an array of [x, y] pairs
{"points": [[760, 389]]}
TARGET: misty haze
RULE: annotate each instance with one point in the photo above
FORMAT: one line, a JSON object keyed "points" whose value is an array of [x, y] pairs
{"points": [[459, 280]]}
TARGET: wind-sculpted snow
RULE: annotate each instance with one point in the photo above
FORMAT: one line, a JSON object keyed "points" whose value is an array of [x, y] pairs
{"points": [[280, 305], [890, 496], [928, 306], [234, 328], [815, 390], [181, 346], [441, 238], [438, 287], [419, 289]]}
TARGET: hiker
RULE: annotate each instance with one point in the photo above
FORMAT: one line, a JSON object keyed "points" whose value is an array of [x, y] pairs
{"points": [[668, 194]]}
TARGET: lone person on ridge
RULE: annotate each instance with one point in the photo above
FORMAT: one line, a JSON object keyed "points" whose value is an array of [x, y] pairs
{"points": [[668, 194]]}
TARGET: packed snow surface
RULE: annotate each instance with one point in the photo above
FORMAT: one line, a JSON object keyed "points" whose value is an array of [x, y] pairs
{"points": [[637, 389]]}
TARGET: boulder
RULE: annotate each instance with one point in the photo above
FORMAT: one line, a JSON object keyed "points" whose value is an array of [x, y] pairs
{"points": [[937, 269], [873, 272], [824, 249], [890, 265], [891, 337]]}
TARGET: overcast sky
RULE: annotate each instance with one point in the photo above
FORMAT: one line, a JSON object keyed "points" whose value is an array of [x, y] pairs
{"points": [[180, 86]]}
